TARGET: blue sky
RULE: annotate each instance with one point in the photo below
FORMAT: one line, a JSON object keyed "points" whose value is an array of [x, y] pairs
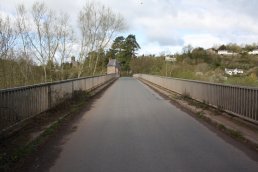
{"points": [[165, 26]]}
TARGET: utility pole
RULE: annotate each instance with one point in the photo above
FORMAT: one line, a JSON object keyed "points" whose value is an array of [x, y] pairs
{"points": [[166, 68]]}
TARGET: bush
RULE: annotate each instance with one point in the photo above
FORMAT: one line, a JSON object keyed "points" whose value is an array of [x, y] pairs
{"points": [[244, 80]]}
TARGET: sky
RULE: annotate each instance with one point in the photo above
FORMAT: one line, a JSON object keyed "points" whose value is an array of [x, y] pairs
{"points": [[165, 26]]}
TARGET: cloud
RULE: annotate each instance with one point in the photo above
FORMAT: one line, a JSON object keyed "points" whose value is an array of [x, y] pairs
{"points": [[202, 40], [155, 48], [166, 25], [196, 22]]}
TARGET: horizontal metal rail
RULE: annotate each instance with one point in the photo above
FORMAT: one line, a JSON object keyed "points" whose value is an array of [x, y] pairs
{"points": [[19, 104], [237, 100]]}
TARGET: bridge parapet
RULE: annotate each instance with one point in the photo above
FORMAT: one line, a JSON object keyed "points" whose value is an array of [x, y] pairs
{"points": [[237, 100], [22, 103]]}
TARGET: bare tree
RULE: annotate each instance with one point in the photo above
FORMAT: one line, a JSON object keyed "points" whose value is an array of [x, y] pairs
{"points": [[7, 37], [25, 47], [46, 40], [47, 35], [7, 43], [43, 35], [67, 41], [98, 24], [37, 39]]}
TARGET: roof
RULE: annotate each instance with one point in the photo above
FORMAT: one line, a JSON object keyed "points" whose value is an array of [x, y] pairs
{"points": [[113, 62]]}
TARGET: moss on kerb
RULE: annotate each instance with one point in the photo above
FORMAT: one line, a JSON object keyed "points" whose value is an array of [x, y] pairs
{"points": [[199, 114], [236, 134], [221, 126], [232, 133], [186, 95]]}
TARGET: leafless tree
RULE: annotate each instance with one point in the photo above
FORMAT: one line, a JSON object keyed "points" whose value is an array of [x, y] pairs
{"points": [[40, 38], [7, 43], [98, 24], [7, 37], [43, 35], [46, 39], [25, 47], [67, 41], [47, 35]]}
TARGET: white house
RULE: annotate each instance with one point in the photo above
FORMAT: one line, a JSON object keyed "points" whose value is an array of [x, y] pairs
{"points": [[170, 59], [254, 52], [226, 52], [233, 71]]}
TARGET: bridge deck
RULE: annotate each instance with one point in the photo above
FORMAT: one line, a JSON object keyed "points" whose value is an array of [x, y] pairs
{"points": [[132, 129]]}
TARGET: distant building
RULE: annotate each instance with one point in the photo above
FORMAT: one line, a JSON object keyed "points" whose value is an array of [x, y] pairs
{"points": [[170, 59], [254, 52], [211, 51], [113, 66], [226, 53], [233, 71], [73, 62]]}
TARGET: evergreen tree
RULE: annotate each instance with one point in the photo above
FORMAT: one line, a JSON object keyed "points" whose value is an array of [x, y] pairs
{"points": [[123, 49]]}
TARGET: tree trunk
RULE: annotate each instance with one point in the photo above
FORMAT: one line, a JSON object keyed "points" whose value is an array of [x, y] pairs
{"points": [[96, 63], [45, 73]]}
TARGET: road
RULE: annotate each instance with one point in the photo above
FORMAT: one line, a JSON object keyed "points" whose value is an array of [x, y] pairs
{"points": [[133, 129]]}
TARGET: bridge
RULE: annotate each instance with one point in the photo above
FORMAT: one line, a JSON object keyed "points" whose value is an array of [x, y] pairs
{"points": [[132, 128]]}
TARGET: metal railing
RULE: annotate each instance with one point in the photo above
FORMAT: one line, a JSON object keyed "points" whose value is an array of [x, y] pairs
{"points": [[237, 100], [19, 104]]}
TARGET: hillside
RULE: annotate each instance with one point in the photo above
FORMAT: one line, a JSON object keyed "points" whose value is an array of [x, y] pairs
{"points": [[200, 64]]}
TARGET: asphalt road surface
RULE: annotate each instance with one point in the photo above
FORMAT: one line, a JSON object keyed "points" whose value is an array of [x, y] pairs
{"points": [[133, 129]]}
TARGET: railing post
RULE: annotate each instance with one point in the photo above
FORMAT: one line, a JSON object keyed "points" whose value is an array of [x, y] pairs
{"points": [[49, 96], [72, 89]]}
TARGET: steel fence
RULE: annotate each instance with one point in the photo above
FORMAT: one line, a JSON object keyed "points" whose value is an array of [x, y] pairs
{"points": [[237, 100], [18, 104]]}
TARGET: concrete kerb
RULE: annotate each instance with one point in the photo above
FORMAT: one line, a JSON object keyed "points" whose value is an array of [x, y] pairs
{"points": [[224, 121]]}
